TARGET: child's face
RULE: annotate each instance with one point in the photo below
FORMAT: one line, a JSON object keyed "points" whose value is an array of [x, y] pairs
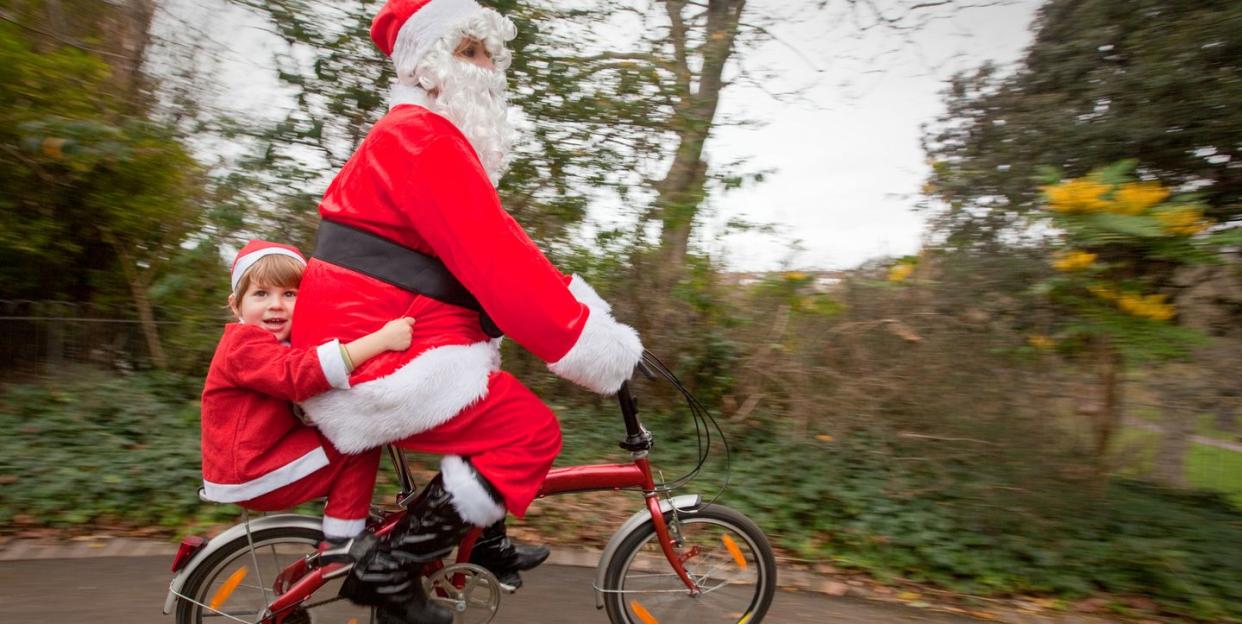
{"points": [[269, 307]]}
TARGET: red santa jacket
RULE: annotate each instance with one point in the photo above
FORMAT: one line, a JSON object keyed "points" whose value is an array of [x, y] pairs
{"points": [[415, 180], [252, 442]]}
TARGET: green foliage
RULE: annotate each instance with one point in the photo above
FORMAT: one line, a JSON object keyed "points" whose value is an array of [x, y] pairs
{"points": [[90, 446], [93, 202], [860, 506], [1104, 80]]}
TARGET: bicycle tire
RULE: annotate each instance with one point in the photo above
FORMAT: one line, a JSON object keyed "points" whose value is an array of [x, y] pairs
{"points": [[298, 541], [619, 595]]}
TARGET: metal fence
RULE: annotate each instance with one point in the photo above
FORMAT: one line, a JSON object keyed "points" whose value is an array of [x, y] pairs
{"points": [[42, 337]]}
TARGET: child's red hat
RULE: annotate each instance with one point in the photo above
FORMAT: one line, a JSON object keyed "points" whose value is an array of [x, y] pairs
{"points": [[256, 249]]}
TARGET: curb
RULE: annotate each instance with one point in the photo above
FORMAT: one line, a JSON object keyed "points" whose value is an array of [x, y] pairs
{"points": [[84, 547]]}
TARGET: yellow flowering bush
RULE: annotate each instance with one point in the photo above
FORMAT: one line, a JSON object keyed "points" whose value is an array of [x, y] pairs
{"points": [[900, 272], [1135, 198], [1041, 342], [1088, 196], [1074, 261], [1103, 292], [1183, 220], [1155, 307], [1078, 196]]}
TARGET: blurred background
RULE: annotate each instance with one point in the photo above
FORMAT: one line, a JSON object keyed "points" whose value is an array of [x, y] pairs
{"points": [[960, 280]]}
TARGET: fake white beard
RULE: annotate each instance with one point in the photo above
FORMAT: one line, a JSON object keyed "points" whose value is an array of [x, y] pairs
{"points": [[473, 98]]}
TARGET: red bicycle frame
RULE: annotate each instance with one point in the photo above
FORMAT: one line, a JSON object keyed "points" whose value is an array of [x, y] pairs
{"points": [[570, 479]]}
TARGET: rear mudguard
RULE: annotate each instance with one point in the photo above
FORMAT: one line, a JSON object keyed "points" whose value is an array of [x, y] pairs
{"points": [[634, 523], [235, 532]]}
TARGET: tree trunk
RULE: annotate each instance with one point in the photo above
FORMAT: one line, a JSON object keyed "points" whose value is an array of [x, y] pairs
{"points": [[149, 329], [142, 303], [681, 192], [1108, 417]]}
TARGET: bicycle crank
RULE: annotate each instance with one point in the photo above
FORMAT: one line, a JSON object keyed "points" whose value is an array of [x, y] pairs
{"points": [[469, 591]]}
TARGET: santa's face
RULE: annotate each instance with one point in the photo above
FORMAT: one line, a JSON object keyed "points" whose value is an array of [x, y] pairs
{"points": [[474, 51], [466, 84]]}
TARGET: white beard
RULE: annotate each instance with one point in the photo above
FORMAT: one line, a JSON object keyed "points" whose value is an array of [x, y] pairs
{"points": [[473, 98]]}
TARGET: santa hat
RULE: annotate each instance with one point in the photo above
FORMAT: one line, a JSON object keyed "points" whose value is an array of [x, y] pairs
{"points": [[405, 30], [254, 251]]}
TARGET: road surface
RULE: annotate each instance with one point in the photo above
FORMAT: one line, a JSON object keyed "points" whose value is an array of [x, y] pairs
{"points": [[131, 590]]}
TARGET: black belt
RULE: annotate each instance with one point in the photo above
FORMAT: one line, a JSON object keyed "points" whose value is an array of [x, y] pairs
{"points": [[405, 268]]}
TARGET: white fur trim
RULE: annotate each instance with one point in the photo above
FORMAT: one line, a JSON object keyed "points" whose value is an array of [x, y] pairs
{"points": [[339, 527], [420, 395], [604, 356], [405, 94], [425, 27], [278, 478], [333, 364], [470, 498], [244, 263], [587, 296]]}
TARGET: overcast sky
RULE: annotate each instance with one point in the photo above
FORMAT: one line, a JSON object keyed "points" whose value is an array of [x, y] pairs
{"points": [[849, 162], [846, 150]]}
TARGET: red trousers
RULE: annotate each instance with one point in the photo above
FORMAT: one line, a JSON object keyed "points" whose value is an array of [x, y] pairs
{"points": [[348, 481], [510, 437]]}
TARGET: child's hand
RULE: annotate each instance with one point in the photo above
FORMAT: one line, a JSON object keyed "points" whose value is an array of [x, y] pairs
{"points": [[396, 333]]}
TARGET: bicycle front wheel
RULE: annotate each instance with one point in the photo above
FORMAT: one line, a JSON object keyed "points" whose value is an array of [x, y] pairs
{"points": [[726, 554], [237, 582]]}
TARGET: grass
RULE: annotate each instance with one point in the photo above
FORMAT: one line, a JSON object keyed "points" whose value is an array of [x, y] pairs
{"points": [[1207, 467], [1213, 468]]}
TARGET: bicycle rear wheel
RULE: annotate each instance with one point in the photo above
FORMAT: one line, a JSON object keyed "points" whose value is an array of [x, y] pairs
{"points": [[726, 554], [235, 583]]}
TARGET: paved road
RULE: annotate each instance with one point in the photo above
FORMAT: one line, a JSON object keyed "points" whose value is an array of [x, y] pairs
{"points": [[130, 590]]}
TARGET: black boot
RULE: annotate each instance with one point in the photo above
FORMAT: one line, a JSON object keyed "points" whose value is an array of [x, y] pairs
{"points": [[383, 580], [390, 579], [505, 559], [431, 526]]}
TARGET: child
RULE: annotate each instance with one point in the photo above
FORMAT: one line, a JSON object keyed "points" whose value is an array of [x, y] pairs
{"points": [[256, 452]]}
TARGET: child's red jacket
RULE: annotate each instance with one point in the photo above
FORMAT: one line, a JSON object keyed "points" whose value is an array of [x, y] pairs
{"points": [[252, 441]]}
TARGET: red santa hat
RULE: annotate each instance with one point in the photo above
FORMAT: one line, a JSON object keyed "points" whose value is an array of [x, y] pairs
{"points": [[256, 249], [405, 29]]}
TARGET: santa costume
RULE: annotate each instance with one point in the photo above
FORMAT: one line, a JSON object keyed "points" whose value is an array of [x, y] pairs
{"points": [[423, 178], [256, 453]]}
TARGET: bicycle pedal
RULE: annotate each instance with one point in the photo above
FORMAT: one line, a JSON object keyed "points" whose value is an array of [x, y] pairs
{"points": [[349, 552], [336, 570]]}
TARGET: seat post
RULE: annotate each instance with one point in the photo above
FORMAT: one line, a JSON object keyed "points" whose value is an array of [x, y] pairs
{"points": [[403, 472]]}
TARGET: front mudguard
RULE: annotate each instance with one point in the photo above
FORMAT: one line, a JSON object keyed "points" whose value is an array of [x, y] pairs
{"points": [[235, 532], [635, 523]]}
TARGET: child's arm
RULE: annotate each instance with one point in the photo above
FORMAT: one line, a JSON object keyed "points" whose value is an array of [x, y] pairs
{"points": [[256, 361], [393, 336]]}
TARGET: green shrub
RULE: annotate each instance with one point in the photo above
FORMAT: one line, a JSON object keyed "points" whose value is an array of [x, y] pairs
{"points": [[90, 446], [855, 502]]}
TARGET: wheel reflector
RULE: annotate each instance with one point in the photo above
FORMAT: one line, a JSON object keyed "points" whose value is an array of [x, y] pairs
{"points": [[746, 619], [736, 552], [227, 588], [642, 613]]}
